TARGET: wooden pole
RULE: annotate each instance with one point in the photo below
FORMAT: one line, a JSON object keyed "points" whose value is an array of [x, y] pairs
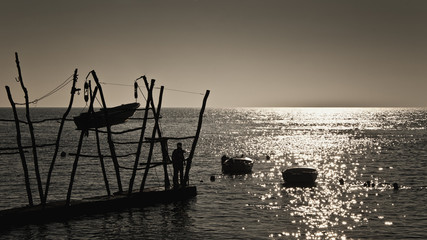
{"points": [[92, 96], [98, 146], [196, 138], [52, 164], [150, 154], [110, 140], [76, 159], [159, 133], [166, 159], [141, 137], [21, 151], [30, 125], [73, 172], [163, 144], [101, 160]]}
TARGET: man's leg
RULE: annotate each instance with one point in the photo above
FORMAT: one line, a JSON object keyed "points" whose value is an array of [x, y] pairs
{"points": [[175, 177], [181, 176]]}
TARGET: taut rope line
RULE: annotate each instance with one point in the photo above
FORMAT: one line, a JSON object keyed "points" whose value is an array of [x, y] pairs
{"points": [[169, 89], [65, 83]]}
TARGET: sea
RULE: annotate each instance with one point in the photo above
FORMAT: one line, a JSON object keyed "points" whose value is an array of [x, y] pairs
{"points": [[380, 145]]}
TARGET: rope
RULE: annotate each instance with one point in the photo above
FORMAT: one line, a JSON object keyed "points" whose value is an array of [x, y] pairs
{"points": [[116, 84], [177, 90], [62, 85], [169, 89], [84, 108], [142, 93], [100, 104]]}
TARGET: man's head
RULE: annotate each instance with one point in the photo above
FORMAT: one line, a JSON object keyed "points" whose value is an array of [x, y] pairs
{"points": [[179, 145]]}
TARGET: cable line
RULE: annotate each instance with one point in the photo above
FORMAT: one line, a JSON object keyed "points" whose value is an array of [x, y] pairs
{"points": [[169, 89], [176, 90], [62, 85]]}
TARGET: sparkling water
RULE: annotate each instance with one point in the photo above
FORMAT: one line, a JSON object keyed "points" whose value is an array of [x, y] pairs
{"points": [[380, 145]]}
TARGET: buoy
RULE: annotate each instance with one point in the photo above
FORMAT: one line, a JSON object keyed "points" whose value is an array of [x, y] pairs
{"points": [[135, 89], [396, 186], [212, 178], [63, 154], [367, 184], [86, 91], [341, 181]]}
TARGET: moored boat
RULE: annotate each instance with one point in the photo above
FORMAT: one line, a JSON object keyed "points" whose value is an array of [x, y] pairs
{"points": [[236, 165], [116, 115], [300, 175]]}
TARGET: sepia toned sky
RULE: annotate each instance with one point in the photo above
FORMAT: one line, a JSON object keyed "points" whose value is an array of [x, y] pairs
{"points": [[249, 53]]}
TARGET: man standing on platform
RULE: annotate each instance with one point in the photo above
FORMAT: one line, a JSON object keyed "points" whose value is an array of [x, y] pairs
{"points": [[178, 165]]}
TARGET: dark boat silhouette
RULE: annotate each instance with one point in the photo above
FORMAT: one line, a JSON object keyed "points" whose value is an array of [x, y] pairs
{"points": [[300, 175], [116, 115]]}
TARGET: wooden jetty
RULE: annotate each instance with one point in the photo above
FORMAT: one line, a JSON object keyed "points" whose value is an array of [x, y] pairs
{"points": [[58, 210]]}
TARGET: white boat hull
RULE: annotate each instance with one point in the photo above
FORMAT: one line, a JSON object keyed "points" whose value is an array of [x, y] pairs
{"points": [[237, 165]]}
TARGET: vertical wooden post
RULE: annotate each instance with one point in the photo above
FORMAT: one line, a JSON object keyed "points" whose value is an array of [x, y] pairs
{"points": [[76, 159], [101, 159], [21, 151], [98, 146], [163, 144], [110, 140], [52, 164], [141, 137], [166, 160], [91, 97], [155, 129], [73, 172], [196, 138], [30, 125], [159, 133]]}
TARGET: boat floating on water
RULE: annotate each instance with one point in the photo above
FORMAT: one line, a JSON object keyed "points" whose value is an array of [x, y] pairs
{"points": [[116, 115], [300, 175], [236, 165]]}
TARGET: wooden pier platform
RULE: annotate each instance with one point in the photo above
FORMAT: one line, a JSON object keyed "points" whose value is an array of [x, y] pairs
{"points": [[58, 211], [62, 210]]}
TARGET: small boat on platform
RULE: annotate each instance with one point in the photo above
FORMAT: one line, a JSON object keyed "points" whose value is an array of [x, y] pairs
{"points": [[116, 115], [236, 165], [300, 176]]}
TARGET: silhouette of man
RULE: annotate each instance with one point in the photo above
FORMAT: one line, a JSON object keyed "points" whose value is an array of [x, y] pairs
{"points": [[178, 165]]}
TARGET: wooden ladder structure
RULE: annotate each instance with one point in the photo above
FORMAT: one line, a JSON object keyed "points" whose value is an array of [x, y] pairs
{"points": [[156, 137]]}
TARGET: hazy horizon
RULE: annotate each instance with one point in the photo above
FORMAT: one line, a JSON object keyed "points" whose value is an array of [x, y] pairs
{"points": [[248, 53]]}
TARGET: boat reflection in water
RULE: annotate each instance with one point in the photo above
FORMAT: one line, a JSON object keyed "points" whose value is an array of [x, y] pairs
{"points": [[300, 176], [236, 165]]}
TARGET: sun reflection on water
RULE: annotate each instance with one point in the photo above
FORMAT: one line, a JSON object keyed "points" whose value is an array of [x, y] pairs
{"points": [[335, 142]]}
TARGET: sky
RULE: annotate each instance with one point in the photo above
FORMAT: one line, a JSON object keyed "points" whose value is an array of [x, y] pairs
{"points": [[248, 53]]}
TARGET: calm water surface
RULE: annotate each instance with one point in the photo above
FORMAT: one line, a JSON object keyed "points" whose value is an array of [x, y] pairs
{"points": [[381, 145]]}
